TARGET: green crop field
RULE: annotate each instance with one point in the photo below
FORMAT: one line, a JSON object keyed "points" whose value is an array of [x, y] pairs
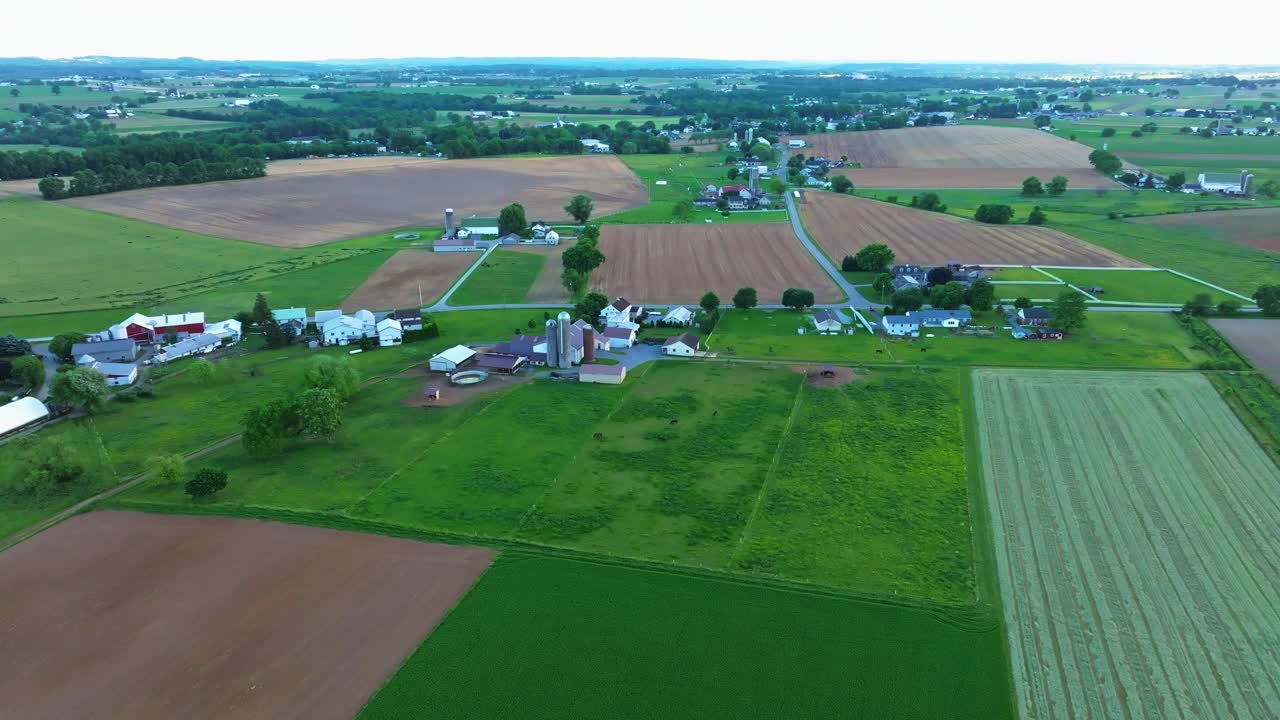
{"points": [[1146, 286], [505, 277], [1134, 521], [869, 489], [155, 122], [683, 177], [71, 96], [1109, 340], [1013, 274], [1167, 140], [556, 639]]}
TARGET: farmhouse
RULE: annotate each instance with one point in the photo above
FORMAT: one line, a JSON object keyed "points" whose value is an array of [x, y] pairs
{"points": [[105, 351], [342, 330], [21, 413], [389, 332], [117, 373], [458, 356], [827, 321], [409, 320], [193, 345], [618, 309], [609, 374], [619, 337], [942, 318], [900, 325], [290, 316], [685, 345], [1038, 316]]}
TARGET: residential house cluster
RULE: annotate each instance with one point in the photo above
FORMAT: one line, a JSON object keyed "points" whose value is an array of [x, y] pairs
{"points": [[114, 352], [909, 325], [338, 328], [916, 277], [1032, 323]]}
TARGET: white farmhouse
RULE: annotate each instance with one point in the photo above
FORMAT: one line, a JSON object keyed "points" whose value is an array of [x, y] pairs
{"points": [[342, 330], [389, 333]]}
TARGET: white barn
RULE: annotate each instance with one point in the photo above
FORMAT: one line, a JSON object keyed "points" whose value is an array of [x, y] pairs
{"points": [[452, 359], [685, 345], [390, 333], [21, 413], [607, 374], [342, 330]]}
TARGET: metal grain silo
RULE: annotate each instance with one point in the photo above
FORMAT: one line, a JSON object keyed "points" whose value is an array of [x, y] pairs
{"points": [[566, 341], [553, 344]]}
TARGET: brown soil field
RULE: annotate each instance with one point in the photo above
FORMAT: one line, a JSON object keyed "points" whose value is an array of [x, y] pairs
{"points": [[547, 288], [450, 394], [678, 263], [395, 284], [1259, 340], [11, 188], [957, 146], [843, 224], [1190, 159], [136, 615], [304, 207], [969, 178], [1259, 228], [304, 166]]}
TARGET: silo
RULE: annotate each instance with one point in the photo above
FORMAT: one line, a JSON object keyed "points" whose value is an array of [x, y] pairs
{"points": [[755, 178], [588, 344], [566, 342], [553, 344], [449, 232]]}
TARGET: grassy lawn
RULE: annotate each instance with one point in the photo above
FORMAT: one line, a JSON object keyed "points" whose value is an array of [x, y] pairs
{"points": [[1140, 285], [667, 645], [1034, 291], [1130, 340], [870, 489], [505, 277]]}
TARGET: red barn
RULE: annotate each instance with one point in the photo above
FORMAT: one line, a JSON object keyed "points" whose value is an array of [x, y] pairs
{"points": [[191, 323], [136, 327]]}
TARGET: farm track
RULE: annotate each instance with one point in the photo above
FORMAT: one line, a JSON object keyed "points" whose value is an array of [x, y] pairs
{"points": [[1136, 558]]}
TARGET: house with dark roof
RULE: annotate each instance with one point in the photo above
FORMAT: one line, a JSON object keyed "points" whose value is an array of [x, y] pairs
{"points": [[1038, 316], [827, 321], [501, 363], [409, 319], [683, 345], [941, 318], [620, 308]]}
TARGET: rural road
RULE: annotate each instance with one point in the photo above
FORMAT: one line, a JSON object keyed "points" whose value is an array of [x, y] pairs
{"points": [[50, 369], [855, 298]]}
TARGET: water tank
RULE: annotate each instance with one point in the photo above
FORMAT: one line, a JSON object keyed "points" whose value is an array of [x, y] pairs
{"points": [[566, 341], [553, 344]]}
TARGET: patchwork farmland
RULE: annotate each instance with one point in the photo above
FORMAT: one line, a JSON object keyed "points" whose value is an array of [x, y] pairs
{"points": [[1133, 518], [843, 224], [678, 263], [299, 208], [1258, 228], [410, 278], [91, 643]]}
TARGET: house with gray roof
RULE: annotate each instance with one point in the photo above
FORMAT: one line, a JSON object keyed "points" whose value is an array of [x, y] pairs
{"points": [[900, 325], [942, 318], [124, 350]]}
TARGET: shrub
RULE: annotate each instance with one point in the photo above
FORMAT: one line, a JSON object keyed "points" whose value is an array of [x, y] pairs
{"points": [[206, 482]]}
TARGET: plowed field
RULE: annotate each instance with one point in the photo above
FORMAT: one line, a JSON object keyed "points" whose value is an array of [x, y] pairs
{"points": [[397, 283], [1135, 535], [1258, 228], [843, 224], [957, 146], [678, 263]]}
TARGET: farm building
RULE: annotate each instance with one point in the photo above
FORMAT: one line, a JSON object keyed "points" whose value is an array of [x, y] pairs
{"points": [[324, 316], [467, 244], [117, 373], [619, 337], [608, 374], [1229, 183], [21, 413], [1038, 316], [290, 315], [193, 345], [618, 309], [342, 330], [389, 333], [679, 315], [942, 318], [458, 356], [105, 351], [229, 330], [620, 322], [685, 345], [495, 362], [827, 321], [142, 328], [367, 319], [900, 325], [409, 320]]}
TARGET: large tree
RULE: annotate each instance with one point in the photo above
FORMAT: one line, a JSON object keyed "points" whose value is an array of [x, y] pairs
{"points": [[582, 257], [60, 345], [1268, 299], [1037, 216], [874, 257], [330, 372], [264, 427], [907, 300], [1032, 186], [883, 285], [1069, 311], [947, 297], [1057, 185], [841, 184], [683, 210], [261, 310], [994, 214], [590, 306], [580, 208], [29, 371], [511, 219], [319, 412], [206, 482], [1200, 305], [940, 275], [81, 387], [710, 302], [1105, 162], [745, 298], [797, 298], [13, 345], [981, 295]]}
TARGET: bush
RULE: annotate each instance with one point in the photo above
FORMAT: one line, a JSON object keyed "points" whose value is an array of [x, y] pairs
{"points": [[1037, 217], [994, 214], [206, 482], [1108, 132]]}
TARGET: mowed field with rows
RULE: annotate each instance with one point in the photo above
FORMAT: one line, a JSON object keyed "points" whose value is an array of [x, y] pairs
{"points": [[1134, 521]]}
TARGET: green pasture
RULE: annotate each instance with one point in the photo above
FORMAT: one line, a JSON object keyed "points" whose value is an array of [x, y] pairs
{"points": [[1146, 286], [505, 277], [1166, 139], [684, 177], [1029, 290], [573, 639], [147, 122], [71, 96], [1011, 274]]}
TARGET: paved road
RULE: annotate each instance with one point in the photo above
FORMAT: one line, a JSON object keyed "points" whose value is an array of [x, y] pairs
{"points": [[855, 299], [442, 303], [50, 369]]}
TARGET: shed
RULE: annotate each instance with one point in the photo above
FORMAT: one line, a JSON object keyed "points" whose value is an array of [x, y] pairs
{"points": [[21, 413], [608, 374], [685, 345], [455, 357]]}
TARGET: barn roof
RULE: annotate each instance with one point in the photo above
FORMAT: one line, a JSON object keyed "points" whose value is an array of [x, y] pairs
{"points": [[18, 413]]}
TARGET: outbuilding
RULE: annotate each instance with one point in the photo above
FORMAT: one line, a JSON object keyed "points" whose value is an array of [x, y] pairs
{"points": [[684, 345], [117, 373], [124, 350], [389, 332], [342, 330], [456, 357], [20, 413], [608, 374], [619, 337], [827, 321]]}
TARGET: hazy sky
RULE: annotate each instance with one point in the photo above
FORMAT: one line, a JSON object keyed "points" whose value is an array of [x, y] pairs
{"points": [[1085, 31]]}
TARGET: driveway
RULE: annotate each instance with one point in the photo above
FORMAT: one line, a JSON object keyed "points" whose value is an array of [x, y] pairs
{"points": [[855, 298], [633, 356], [50, 369]]}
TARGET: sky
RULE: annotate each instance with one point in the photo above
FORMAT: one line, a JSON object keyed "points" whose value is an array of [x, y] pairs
{"points": [[1084, 31]]}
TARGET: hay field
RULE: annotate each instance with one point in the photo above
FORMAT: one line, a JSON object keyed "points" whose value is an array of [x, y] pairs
{"points": [[296, 206], [1258, 228], [136, 615], [843, 224], [1134, 524], [957, 146], [397, 283], [678, 263]]}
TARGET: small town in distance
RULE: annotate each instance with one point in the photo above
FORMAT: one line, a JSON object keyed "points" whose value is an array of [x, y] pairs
{"points": [[629, 387]]}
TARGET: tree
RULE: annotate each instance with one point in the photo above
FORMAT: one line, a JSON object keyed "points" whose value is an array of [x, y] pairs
{"points": [[582, 257], [1032, 187], [994, 214], [874, 257], [319, 412], [683, 210], [261, 310], [981, 295], [206, 482], [511, 219], [733, 173], [848, 263], [841, 184], [202, 371], [777, 185], [29, 371], [907, 300], [710, 302], [1105, 162], [1043, 121], [745, 298], [264, 427], [1176, 180], [55, 89], [1037, 217], [1228, 307], [60, 345], [797, 298], [1057, 185], [928, 201], [14, 92], [722, 205], [169, 469], [589, 234], [1108, 132], [13, 345], [940, 275], [1268, 299], [1068, 311], [275, 335], [1199, 306], [947, 297], [1270, 189], [580, 208], [590, 307], [44, 464], [52, 188], [82, 387], [573, 281], [332, 372], [883, 284], [1021, 302]]}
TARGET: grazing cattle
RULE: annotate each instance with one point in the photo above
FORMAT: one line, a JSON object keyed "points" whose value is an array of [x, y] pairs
{"points": [[598, 436], [717, 412], [674, 421]]}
